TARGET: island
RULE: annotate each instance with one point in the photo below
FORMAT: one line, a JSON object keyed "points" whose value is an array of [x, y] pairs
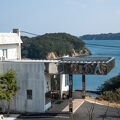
{"points": [[109, 36], [53, 46]]}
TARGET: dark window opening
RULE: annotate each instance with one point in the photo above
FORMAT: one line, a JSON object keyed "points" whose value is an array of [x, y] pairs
{"points": [[29, 94]]}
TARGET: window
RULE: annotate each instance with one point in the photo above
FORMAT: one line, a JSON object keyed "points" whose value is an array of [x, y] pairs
{"points": [[29, 94], [4, 51]]}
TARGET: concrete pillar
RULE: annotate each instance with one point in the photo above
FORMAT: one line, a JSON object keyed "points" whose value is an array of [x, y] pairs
{"points": [[19, 51], [70, 93], [17, 31], [83, 85], [62, 84]]}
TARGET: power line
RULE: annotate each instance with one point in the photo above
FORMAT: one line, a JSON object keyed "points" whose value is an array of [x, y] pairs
{"points": [[29, 33]]}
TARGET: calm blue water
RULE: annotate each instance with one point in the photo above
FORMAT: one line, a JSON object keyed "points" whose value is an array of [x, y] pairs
{"points": [[93, 81]]}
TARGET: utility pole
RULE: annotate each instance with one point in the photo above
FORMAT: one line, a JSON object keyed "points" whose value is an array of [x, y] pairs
{"points": [[83, 85], [70, 95]]}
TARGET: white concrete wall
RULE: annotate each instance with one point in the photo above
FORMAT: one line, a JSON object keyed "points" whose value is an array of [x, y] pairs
{"points": [[13, 51], [63, 87], [31, 76], [53, 68]]}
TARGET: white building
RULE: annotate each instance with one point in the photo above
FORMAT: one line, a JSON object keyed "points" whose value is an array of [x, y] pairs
{"points": [[10, 45], [34, 84]]}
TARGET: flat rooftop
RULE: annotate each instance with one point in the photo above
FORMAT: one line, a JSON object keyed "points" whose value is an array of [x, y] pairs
{"points": [[70, 60], [86, 59], [72, 65]]}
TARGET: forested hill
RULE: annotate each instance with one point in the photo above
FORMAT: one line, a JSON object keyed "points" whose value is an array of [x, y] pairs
{"points": [[59, 44], [109, 36]]}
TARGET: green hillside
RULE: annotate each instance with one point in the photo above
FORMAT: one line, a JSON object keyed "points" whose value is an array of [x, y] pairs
{"points": [[59, 43]]}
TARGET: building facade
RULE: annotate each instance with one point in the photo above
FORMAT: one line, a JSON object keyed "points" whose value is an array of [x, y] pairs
{"points": [[10, 45], [34, 84]]}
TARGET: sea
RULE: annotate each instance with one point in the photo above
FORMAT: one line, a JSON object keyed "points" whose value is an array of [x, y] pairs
{"points": [[94, 81]]}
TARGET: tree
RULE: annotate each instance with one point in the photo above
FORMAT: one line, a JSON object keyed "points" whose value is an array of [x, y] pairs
{"points": [[8, 86], [110, 90], [111, 85]]}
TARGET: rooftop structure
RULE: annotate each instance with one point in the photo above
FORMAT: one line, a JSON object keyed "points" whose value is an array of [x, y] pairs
{"points": [[9, 38], [10, 45], [87, 59], [73, 60], [80, 65]]}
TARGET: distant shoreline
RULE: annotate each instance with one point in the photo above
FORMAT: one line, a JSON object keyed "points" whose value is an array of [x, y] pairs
{"points": [[109, 36], [97, 39], [91, 91]]}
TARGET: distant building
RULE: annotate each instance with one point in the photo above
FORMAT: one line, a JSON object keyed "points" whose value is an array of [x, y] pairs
{"points": [[10, 45]]}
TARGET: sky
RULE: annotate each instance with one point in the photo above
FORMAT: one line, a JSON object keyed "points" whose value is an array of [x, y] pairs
{"points": [[77, 17]]}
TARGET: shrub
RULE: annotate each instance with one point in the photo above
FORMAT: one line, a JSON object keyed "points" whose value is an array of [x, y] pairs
{"points": [[110, 85], [111, 96]]}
